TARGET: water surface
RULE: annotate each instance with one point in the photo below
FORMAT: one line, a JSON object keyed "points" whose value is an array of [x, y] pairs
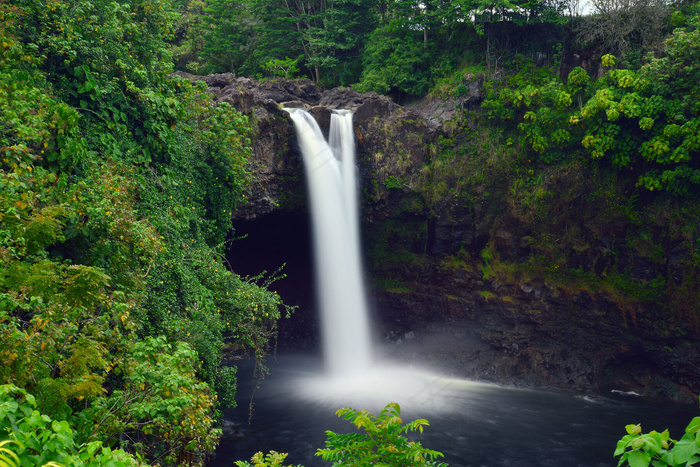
{"points": [[473, 424]]}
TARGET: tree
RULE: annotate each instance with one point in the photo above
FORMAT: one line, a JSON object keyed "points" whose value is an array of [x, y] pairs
{"points": [[341, 39], [329, 35], [286, 66], [229, 35], [188, 34], [623, 26], [395, 62], [279, 32]]}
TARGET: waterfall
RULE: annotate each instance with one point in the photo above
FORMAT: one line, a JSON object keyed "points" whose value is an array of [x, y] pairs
{"points": [[331, 178]]}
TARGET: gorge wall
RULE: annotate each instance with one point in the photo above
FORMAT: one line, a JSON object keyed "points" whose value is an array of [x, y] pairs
{"points": [[460, 251]]}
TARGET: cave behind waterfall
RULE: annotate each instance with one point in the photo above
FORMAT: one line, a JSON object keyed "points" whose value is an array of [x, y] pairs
{"points": [[269, 242]]}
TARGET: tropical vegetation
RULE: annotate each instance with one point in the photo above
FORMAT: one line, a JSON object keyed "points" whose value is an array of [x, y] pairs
{"points": [[119, 180], [118, 184]]}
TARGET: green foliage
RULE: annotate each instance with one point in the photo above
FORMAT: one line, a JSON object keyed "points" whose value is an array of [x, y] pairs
{"points": [[323, 38], [329, 39], [393, 182], [286, 66], [395, 63], [542, 106], [161, 399], [646, 117], [644, 120], [271, 459], [638, 449], [226, 34], [117, 188], [53, 342], [381, 442], [30, 438], [337, 45]]}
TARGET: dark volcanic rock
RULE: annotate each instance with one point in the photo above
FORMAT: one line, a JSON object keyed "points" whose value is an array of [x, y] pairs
{"points": [[219, 80], [532, 336], [366, 105], [284, 90], [437, 111]]}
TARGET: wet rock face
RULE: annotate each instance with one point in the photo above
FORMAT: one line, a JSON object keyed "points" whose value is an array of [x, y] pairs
{"points": [[533, 336], [276, 164]]}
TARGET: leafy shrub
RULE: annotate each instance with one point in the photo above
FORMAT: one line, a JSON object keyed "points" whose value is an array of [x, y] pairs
{"points": [[639, 449], [382, 443], [271, 459], [642, 121], [32, 438]]}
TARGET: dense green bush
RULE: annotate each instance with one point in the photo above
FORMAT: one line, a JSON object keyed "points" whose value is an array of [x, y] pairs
{"points": [[382, 442], [644, 121], [117, 188], [29, 438]]}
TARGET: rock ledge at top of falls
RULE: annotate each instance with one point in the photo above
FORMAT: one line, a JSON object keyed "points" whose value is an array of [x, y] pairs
{"points": [[382, 128], [246, 93]]}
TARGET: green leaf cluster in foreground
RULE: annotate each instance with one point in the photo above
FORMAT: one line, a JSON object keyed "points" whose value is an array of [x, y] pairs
{"points": [[36, 439], [381, 441], [638, 449], [117, 185]]}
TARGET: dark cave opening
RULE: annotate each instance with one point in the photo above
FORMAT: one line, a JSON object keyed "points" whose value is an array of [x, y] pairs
{"points": [[266, 244]]}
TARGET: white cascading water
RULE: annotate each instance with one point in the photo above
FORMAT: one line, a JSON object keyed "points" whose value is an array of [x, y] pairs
{"points": [[351, 376], [330, 172]]}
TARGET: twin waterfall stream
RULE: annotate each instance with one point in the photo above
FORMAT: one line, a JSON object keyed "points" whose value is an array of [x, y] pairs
{"points": [[352, 371], [330, 173]]}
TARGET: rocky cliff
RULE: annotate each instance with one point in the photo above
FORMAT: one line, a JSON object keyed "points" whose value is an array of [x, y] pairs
{"points": [[461, 255]]}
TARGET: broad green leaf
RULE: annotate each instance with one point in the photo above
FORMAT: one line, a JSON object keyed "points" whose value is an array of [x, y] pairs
{"points": [[684, 450], [693, 426], [622, 444], [653, 441], [639, 459]]}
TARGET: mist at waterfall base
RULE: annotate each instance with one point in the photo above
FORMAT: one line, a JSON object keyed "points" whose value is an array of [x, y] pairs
{"points": [[473, 424]]}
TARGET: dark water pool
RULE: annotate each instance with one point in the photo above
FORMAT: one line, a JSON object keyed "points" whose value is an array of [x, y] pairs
{"points": [[472, 424]]}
